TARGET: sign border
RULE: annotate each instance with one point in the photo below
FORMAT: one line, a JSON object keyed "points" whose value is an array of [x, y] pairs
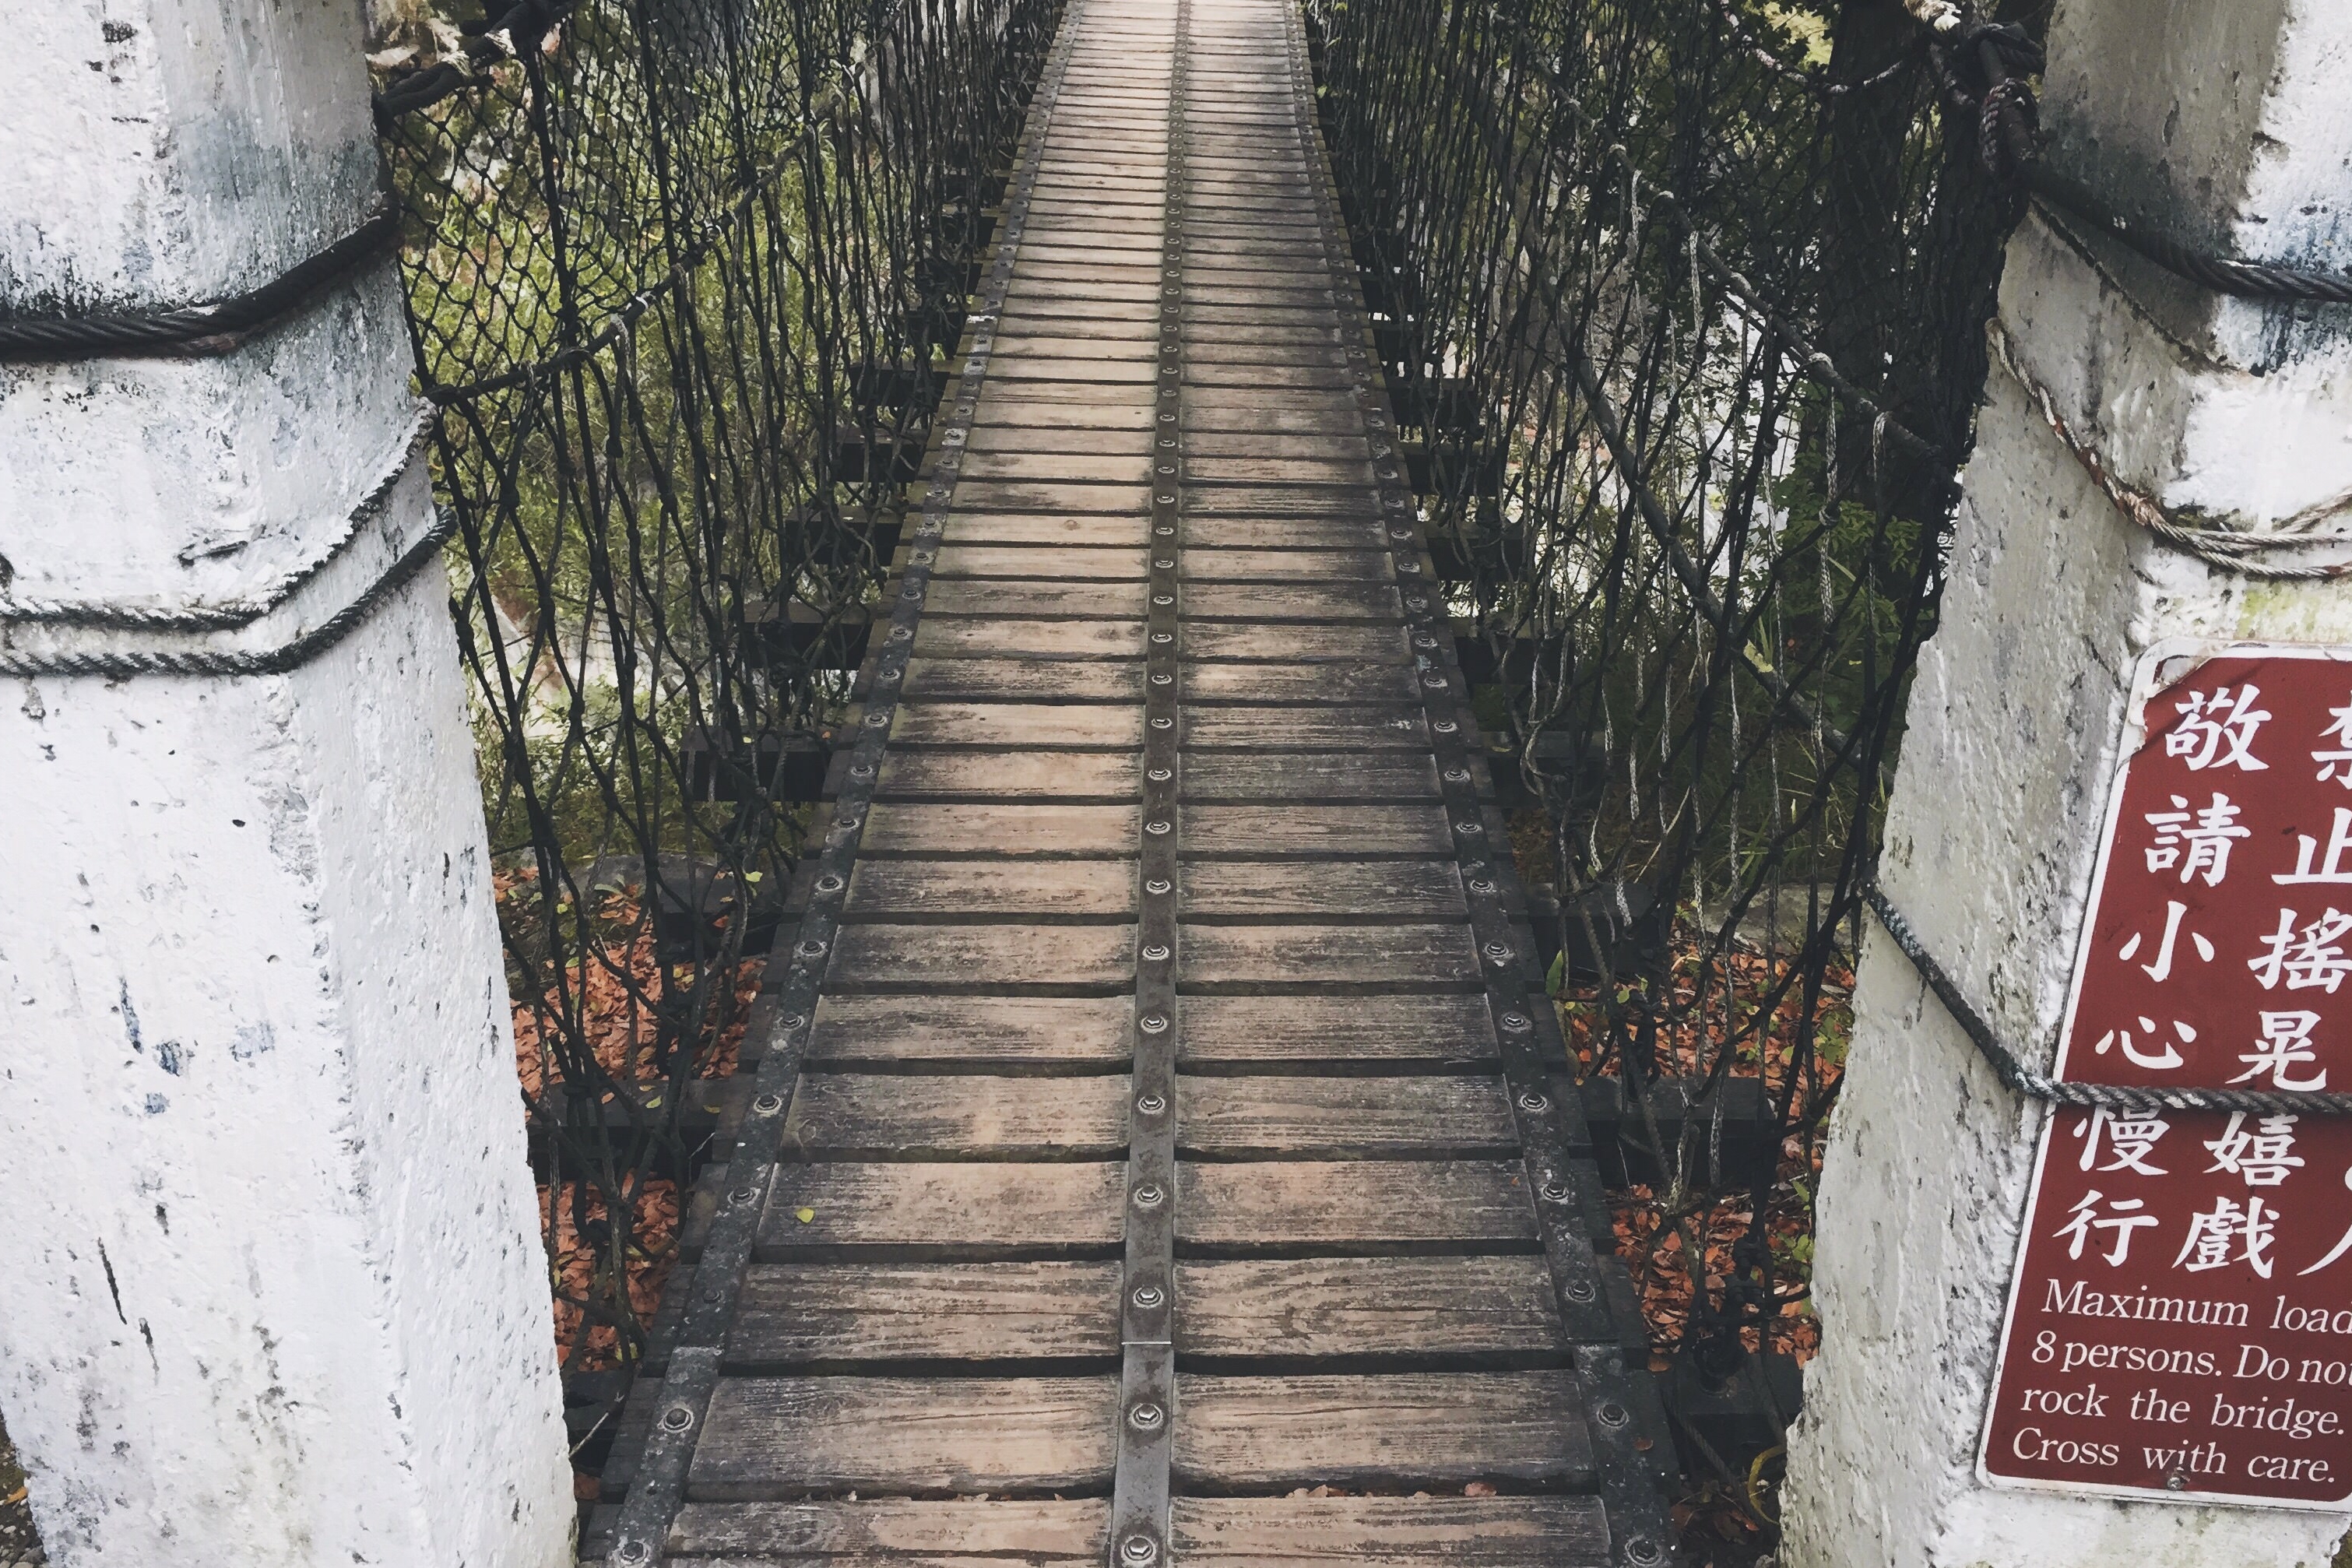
{"points": [[2146, 680]]}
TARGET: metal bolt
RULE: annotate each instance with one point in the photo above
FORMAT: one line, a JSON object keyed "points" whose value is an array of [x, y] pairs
{"points": [[1163, 678], [797, 1021], [1156, 887], [1146, 1416], [1516, 1023], [742, 1196], [2178, 1483], [1160, 775], [1499, 951], [1168, 440], [1156, 827], [1467, 828], [634, 1551], [1416, 603], [1156, 952], [1534, 1104], [1164, 532], [845, 821], [1433, 680], [1168, 419], [1139, 1550], [809, 949], [901, 634], [1399, 534], [861, 770], [829, 883], [1555, 1193], [1163, 723], [1152, 1022], [1611, 1414], [1148, 1297], [1444, 726], [1149, 1196], [1643, 1551], [1457, 776], [1580, 1292], [1408, 566], [1151, 1104], [876, 720], [1168, 467], [1480, 885], [1164, 598], [768, 1104]]}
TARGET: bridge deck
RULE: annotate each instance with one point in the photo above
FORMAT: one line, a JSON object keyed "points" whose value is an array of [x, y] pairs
{"points": [[1172, 1137]]}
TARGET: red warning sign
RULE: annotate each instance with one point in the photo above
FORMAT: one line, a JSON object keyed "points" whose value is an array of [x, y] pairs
{"points": [[2181, 1321]]}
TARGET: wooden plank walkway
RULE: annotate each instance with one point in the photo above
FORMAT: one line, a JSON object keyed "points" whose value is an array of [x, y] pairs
{"points": [[1160, 1126]]}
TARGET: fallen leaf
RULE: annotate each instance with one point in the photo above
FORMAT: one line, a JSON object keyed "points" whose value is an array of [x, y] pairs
{"points": [[1478, 1488], [805, 1215]]}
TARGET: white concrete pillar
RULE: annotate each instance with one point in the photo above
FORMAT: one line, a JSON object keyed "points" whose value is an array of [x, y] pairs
{"points": [[2228, 127], [275, 1293]]}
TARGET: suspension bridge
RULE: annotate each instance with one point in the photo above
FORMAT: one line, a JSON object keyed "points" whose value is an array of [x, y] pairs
{"points": [[1172, 1157]]}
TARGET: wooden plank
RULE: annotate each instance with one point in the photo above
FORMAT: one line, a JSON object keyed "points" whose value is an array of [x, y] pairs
{"points": [[1325, 777], [1344, 1117], [1133, 441], [1256, 1031], [769, 1438], [991, 890], [917, 775], [899, 1532], [1354, 1206], [1334, 681], [1024, 680], [1008, 959], [794, 1314], [1015, 724], [1292, 601], [965, 1210], [1321, 1307], [1403, 1429], [913, 1032], [995, 830], [1008, 496], [1085, 531], [1358, 832], [1259, 889], [1217, 958], [1008, 637], [1227, 640], [1055, 466], [1087, 601], [1335, 728], [1287, 532], [1389, 1532], [1054, 564], [893, 1116]]}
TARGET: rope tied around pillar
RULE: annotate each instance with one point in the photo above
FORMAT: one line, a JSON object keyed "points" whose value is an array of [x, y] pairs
{"points": [[2019, 1078], [213, 328]]}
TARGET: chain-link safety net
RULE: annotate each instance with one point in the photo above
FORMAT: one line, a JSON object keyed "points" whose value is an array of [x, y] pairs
{"points": [[682, 277], [1682, 304]]}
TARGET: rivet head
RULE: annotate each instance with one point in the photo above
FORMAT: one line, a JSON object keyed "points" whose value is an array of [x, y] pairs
{"points": [[742, 1196], [1156, 952], [861, 770], [1644, 1551], [1444, 726], [1139, 1550], [1167, 468], [1160, 775], [676, 1418], [809, 949], [1146, 1416], [1163, 638], [1164, 532], [1467, 828], [1163, 722], [1555, 1192], [1408, 566], [1457, 776], [1164, 564], [1151, 1104], [1163, 678], [1433, 680], [1148, 1297], [1497, 951], [876, 720], [1156, 827], [829, 883], [1164, 598], [1480, 885], [2176, 1483], [1534, 1104], [1516, 1023], [1150, 1196], [1156, 887], [768, 1104], [1152, 1022], [1399, 534], [1579, 1292], [1168, 419]]}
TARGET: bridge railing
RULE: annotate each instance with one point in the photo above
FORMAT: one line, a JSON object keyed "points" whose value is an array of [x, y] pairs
{"points": [[1683, 306], [677, 276]]}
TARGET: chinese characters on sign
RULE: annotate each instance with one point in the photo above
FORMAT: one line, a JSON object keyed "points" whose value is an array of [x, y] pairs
{"points": [[2180, 1321]]}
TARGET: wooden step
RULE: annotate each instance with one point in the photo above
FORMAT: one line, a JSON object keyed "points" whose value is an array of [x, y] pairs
{"points": [[1405, 1430]]}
